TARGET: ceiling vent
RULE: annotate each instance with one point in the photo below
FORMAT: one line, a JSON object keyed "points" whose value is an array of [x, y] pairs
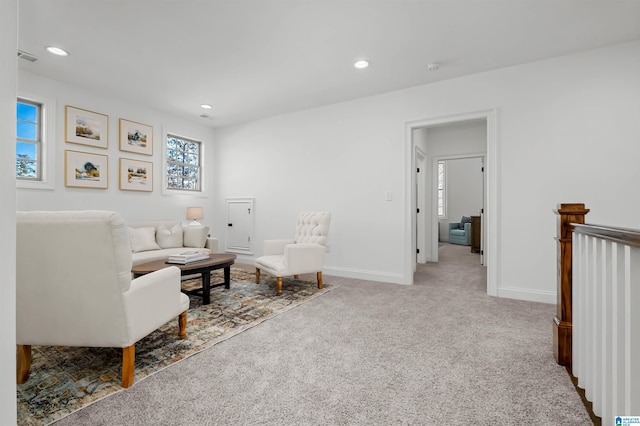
{"points": [[26, 56]]}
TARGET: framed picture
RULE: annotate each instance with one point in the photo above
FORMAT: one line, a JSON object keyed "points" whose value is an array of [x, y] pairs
{"points": [[136, 137], [86, 127], [136, 175], [85, 170]]}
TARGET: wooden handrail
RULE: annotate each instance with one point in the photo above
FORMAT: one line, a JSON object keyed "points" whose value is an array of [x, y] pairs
{"points": [[627, 236], [570, 215]]}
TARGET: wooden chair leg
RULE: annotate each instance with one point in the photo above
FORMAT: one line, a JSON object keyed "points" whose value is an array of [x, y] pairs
{"points": [[23, 363], [319, 275], [296, 277], [128, 365], [279, 286], [257, 276], [182, 325]]}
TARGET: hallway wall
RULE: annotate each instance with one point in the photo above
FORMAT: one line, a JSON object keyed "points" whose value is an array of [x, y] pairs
{"points": [[565, 131]]}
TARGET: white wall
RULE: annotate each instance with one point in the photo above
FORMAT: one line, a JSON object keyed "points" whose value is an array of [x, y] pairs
{"points": [[567, 132], [8, 71], [132, 205], [464, 191]]}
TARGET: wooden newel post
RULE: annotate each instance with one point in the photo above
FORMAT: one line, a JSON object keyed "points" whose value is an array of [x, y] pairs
{"points": [[562, 322]]}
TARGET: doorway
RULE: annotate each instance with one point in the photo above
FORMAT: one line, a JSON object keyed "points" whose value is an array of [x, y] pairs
{"points": [[490, 196]]}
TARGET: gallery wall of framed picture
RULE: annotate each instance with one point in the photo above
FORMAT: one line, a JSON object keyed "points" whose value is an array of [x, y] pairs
{"points": [[136, 137], [136, 175], [86, 170], [89, 169], [86, 127]]}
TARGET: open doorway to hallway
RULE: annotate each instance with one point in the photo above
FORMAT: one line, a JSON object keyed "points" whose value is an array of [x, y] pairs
{"points": [[465, 136], [460, 198]]}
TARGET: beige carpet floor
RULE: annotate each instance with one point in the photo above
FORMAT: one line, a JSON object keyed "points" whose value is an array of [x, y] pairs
{"points": [[65, 379], [369, 353]]}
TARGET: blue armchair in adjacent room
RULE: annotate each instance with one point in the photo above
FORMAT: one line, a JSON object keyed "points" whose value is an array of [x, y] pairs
{"points": [[460, 236]]}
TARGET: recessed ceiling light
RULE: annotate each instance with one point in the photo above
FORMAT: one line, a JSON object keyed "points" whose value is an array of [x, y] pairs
{"points": [[57, 51], [361, 64], [205, 106]]}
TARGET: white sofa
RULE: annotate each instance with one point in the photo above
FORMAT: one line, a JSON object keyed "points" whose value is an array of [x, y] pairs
{"points": [[154, 240]]}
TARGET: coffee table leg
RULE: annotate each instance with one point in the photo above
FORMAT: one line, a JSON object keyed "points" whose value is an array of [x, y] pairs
{"points": [[206, 287], [227, 277]]}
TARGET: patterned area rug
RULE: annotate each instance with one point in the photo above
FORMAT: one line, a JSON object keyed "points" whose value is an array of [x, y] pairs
{"points": [[65, 379]]}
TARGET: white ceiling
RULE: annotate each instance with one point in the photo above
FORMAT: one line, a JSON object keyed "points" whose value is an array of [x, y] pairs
{"points": [[253, 59]]}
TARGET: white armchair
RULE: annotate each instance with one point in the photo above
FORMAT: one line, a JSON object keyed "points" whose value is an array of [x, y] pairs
{"points": [[301, 255], [74, 287]]}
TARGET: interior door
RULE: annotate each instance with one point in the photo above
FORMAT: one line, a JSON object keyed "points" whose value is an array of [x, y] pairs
{"points": [[422, 232], [239, 225]]}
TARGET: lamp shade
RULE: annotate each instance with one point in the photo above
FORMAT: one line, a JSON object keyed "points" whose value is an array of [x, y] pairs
{"points": [[194, 213]]}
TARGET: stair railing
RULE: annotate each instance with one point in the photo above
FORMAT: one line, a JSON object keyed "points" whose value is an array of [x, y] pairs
{"points": [[599, 311]]}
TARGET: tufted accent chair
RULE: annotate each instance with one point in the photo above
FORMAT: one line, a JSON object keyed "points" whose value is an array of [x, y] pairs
{"points": [[301, 255], [74, 287]]}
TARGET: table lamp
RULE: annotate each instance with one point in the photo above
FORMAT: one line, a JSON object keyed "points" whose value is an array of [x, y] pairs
{"points": [[193, 214]]}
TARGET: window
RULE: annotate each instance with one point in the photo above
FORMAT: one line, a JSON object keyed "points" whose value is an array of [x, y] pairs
{"points": [[28, 140], [442, 201], [35, 142], [184, 167]]}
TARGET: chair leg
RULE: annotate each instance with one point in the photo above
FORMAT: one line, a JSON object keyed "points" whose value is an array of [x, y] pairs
{"points": [[23, 363], [257, 276], [128, 365], [182, 325], [279, 285], [319, 275], [296, 276]]}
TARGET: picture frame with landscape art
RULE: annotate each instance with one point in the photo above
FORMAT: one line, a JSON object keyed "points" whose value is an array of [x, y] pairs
{"points": [[136, 137], [136, 175], [86, 127], [85, 170]]}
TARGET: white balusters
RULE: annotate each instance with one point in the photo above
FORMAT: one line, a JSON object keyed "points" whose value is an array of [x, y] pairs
{"points": [[606, 323]]}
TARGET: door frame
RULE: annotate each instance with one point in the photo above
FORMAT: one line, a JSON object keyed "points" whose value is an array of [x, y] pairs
{"points": [[422, 254], [435, 222], [491, 253]]}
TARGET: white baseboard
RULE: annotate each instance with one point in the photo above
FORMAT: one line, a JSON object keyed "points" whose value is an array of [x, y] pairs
{"points": [[528, 295], [362, 274]]}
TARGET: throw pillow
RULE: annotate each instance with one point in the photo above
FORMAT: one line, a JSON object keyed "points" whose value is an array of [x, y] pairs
{"points": [[142, 239], [195, 236], [465, 219], [168, 238]]}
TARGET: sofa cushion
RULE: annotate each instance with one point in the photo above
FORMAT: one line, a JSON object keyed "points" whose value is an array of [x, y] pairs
{"points": [[142, 239], [195, 236], [169, 237]]}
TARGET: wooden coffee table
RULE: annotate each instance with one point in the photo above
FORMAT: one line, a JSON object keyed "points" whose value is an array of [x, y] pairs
{"points": [[204, 267]]}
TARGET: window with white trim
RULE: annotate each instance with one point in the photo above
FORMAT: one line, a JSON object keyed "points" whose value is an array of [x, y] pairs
{"points": [[442, 195], [28, 140], [184, 164], [35, 142]]}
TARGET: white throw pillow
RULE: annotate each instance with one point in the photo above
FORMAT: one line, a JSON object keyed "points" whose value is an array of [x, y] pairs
{"points": [[195, 236], [168, 238], [142, 239]]}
